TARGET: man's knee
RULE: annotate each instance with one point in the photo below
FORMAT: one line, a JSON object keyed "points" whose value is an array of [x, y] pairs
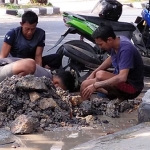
{"points": [[54, 61], [100, 75], [30, 65]]}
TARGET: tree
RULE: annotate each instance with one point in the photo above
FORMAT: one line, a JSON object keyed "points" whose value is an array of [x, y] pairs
{"points": [[2, 1]]}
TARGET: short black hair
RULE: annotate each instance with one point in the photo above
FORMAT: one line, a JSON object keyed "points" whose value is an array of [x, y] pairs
{"points": [[30, 17], [67, 79], [104, 32]]}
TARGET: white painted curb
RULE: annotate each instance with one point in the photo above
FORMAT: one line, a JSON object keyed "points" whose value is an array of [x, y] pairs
{"points": [[38, 11]]}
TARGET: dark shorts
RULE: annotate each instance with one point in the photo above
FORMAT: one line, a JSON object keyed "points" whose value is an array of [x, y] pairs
{"points": [[54, 61], [123, 91], [126, 88]]}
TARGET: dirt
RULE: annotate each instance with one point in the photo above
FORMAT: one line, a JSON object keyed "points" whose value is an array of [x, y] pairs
{"points": [[66, 138]]}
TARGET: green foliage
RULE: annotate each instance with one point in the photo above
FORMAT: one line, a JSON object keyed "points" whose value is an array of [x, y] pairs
{"points": [[39, 1], [15, 6], [12, 6], [49, 4]]}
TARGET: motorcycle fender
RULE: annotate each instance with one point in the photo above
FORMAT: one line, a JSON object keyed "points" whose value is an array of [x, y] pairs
{"points": [[70, 30]]}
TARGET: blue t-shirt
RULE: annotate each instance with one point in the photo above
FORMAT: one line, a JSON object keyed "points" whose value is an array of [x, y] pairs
{"points": [[128, 57], [21, 47]]}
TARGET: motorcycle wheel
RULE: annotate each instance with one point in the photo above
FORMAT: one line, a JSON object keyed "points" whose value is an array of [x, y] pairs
{"points": [[79, 43], [72, 65]]}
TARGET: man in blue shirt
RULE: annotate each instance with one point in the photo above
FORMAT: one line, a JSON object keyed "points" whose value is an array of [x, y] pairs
{"points": [[21, 54], [28, 41], [126, 82]]}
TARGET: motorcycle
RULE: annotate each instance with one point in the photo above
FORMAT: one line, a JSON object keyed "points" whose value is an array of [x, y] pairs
{"points": [[83, 57], [141, 37]]}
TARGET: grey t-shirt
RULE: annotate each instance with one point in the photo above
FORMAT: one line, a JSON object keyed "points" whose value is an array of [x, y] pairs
{"points": [[40, 71]]}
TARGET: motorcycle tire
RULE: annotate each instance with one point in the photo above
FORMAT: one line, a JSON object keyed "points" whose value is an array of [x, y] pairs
{"points": [[79, 43], [73, 68]]}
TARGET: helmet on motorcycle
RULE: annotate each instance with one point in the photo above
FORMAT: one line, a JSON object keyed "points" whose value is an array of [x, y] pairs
{"points": [[111, 9]]}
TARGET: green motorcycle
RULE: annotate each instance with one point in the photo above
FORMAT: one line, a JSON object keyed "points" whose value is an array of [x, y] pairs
{"points": [[82, 56]]}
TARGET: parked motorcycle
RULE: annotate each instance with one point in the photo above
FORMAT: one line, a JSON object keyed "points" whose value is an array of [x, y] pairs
{"points": [[85, 57], [141, 37]]}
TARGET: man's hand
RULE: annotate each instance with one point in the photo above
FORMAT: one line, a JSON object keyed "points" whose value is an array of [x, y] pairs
{"points": [[87, 92]]}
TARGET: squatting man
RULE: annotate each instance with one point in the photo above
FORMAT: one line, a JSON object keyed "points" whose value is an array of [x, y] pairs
{"points": [[126, 82]]}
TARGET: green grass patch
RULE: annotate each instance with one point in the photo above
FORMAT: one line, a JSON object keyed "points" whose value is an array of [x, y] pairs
{"points": [[15, 6]]}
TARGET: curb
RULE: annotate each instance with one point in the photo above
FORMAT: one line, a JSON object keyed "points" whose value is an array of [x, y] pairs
{"points": [[38, 11], [144, 108]]}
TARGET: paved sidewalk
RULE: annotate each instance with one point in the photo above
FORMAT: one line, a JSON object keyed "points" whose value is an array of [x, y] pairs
{"points": [[5, 17]]}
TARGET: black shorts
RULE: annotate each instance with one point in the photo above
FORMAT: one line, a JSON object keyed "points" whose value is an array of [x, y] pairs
{"points": [[54, 61], [123, 91]]}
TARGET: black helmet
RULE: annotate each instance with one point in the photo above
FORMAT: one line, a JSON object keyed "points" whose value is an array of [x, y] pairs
{"points": [[111, 9]]}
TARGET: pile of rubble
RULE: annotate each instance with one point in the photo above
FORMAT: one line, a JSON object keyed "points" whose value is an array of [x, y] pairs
{"points": [[29, 104]]}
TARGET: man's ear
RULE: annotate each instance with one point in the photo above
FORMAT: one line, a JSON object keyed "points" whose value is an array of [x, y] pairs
{"points": [[109, 39], [21, 23]]}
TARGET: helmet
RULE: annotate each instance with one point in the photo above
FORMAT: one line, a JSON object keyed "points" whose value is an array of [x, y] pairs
{"points": [[111, 9]]}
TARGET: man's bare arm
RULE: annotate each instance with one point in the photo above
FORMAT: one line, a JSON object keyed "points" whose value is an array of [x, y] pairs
{"points": [[38, 55], [105, 65], [5, 50]]}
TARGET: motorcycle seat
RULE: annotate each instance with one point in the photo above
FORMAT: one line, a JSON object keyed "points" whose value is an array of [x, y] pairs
{"points": [[117, 26]]}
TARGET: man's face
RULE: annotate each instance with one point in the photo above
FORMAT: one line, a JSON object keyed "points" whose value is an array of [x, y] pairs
{"points": [[104, 45], [28, 30], [58, 82]]}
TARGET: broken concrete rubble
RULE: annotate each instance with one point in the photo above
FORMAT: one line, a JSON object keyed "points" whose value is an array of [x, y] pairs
{"points": [[24, 124], [30, 104]]}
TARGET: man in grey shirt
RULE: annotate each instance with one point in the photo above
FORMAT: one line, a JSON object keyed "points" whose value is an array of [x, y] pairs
{"points": [[9, 67]]}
